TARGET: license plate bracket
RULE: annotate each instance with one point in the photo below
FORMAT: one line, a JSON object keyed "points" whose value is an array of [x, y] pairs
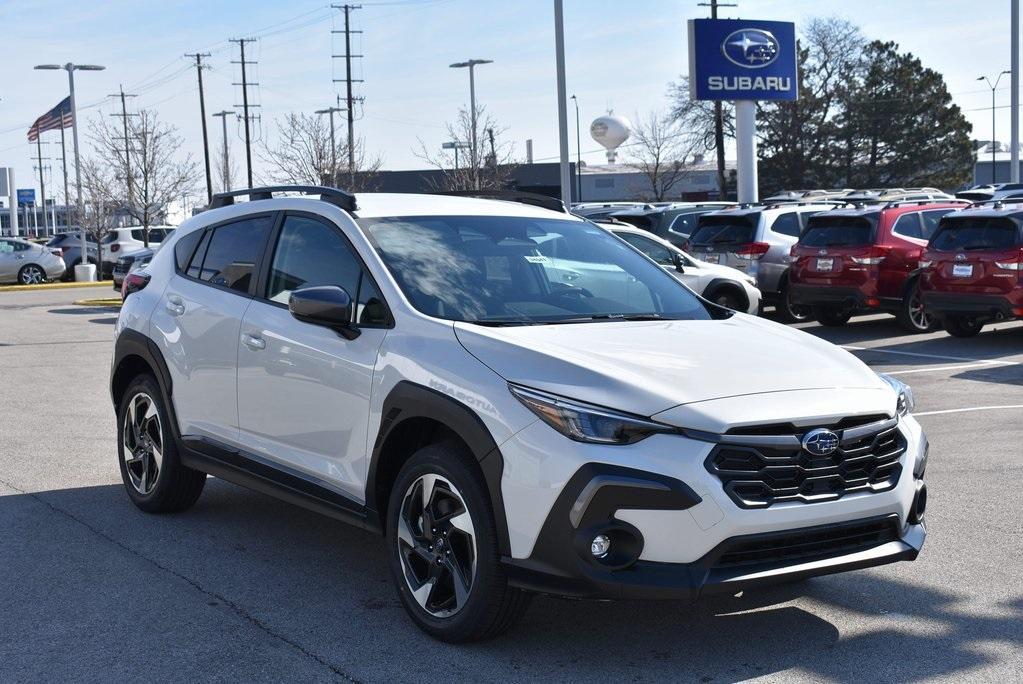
{"points": [[825, 264], [962, 270]]}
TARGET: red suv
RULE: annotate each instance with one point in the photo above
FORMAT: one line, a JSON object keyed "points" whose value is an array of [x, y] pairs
{"points": [[973, 268], [866, 260]]}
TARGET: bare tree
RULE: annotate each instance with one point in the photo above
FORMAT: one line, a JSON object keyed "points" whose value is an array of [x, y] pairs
{"points": [[154, 175], [698, 117], [100, 197], [303, 155], [226, 169], [485, 165], [663, 152]]}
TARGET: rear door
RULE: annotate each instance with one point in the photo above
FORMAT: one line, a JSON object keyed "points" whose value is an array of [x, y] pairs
{"points": [[198, 321], [303, 389], [966, 253], [8, 261]]}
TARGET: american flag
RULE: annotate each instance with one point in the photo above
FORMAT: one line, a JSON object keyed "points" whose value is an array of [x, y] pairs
{"points": [[57, 118]]}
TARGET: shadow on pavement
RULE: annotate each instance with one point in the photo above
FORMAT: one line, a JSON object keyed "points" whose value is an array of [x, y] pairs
{"points": [[262, 568], [85, 310]]}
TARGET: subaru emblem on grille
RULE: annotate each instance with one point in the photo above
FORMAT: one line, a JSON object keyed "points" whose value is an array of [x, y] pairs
{"points": [[820, 442]]}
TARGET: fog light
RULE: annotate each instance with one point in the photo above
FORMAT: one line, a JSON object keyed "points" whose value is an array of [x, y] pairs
{"points": [[600, 546]]}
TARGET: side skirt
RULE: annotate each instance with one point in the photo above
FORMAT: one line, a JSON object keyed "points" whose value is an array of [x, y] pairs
{"points": [[240, 468]]}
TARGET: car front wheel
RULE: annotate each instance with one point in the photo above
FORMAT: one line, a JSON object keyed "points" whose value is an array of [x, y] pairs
{"points": [[788, 310], [443, 549], [31, 275], [912, 315]]}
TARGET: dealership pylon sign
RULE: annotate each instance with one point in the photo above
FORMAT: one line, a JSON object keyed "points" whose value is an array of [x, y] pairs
{"points": [[743, 60]]}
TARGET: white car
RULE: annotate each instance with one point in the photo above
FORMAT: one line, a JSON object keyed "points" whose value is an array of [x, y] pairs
{"points": [[722, 285], [27, 263], [407, 364]]}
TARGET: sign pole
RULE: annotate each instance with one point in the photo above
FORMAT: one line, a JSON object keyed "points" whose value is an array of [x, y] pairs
{"points": [[746, 150]]}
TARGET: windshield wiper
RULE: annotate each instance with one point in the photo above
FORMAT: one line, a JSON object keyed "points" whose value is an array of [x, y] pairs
{"points": [[503, 322], [611, 317]]}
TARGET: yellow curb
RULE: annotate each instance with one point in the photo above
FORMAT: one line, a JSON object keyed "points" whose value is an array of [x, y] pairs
{"points": [[56, 286], [99, 302]]}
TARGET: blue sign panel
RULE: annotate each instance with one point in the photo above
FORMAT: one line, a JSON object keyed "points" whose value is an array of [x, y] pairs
{"points": [[26, 196], [742, 59]]}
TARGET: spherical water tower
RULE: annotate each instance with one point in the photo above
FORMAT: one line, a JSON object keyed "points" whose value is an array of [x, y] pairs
{"points": [[611, 131]]}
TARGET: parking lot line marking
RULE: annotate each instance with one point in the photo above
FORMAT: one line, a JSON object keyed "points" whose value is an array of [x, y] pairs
{"points": [[971, 408], [927, 356], [962, 366]]}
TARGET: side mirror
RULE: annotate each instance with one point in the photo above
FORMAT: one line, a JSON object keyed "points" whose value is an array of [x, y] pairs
{"points": [[327, 305]]}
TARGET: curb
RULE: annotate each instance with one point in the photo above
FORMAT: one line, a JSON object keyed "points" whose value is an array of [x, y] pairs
{"points": [[56, 286], [111, 303]]}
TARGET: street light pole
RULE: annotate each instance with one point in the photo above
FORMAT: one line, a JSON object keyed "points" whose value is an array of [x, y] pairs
{"points": [[333, 144], [578, 155], [559, 54], [226, 170], [993, 87], [71, 68], [471, 65]]}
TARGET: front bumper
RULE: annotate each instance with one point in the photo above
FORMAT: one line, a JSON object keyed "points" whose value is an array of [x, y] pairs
{"points": [[985, 307], [658, 496], [718, 572]]}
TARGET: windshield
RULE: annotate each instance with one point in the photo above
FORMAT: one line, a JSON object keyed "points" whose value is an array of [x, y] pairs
{"points": [[976, 233], [515, 271], [837, 231], [725, 230]]}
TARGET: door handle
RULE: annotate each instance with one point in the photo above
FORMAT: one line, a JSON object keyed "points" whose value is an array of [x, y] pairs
{"points": [[253, 342], [174, 305]]}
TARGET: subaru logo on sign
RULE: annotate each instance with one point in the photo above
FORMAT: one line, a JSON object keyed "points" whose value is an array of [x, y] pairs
{"points": [[750, 48], [820, 442]]}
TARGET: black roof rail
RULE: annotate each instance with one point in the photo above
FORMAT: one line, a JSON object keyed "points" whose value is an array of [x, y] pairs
{"points": [[334, 196], [531, 198], [906, 203]]}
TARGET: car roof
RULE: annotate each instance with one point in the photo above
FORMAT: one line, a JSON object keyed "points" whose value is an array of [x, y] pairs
{"points": [[381, 204], [992, 209]]}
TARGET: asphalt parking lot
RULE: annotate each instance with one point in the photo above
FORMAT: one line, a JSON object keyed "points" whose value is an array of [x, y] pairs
{"points": [[245, 588]]}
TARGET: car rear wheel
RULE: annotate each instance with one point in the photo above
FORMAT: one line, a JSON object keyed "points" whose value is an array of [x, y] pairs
{"points": [[962, 326], [31, 274], [443, 548], [832, 315], [153, 475], [789, 311], [912, 315]]}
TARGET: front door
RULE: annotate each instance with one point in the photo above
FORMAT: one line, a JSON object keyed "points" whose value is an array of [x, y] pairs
{"points": [[303, 389]]}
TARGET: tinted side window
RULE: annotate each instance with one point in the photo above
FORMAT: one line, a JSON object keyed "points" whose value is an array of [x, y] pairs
{"points": [[185, 247], [6, 247], [139, 234], [930, 221], [684, 224], [195, 265], [787, 224], [310, 252], [908, 225], [233, 251], [654, 250]]}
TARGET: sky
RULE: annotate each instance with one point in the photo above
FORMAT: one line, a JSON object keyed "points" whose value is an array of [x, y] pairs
{"points": [[619, 55]]}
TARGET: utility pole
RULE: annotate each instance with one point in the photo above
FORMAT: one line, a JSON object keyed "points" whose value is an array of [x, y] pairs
{"points": [[42, 183], [127, 152], [226, 161], [333, 143], [202, 113], [719, 124], [348, 81], [245, 106]]}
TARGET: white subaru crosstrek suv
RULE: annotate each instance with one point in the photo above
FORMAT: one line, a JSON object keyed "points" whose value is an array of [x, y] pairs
{"points": [[404, 363]]}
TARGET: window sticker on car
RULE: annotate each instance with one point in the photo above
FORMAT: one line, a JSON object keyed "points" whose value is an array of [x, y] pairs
{"points": [[537, 259]]}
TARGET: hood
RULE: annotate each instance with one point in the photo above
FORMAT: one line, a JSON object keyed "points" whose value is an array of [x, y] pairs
{"points": [[646, 367]]}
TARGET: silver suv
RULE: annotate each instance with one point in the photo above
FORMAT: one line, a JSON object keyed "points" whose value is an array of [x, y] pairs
{"points": [[756, 238]]}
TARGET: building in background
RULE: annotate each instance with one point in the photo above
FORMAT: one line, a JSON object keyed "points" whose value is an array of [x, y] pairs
{"points": [[1002, 163]]}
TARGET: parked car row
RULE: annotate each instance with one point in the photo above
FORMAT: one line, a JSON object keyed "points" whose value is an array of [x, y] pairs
{"points": [[115, 244]]}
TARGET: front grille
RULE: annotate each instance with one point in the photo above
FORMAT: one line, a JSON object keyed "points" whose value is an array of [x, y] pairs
{"points": [[808, 545], [758, 471]]}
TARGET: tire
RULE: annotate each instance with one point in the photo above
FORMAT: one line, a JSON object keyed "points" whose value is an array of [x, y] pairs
{"points": [[729, 299], [489, 606], [151, 446], [832, 315], [788, 312], [911, 314], [31, 274], [962, 326]]}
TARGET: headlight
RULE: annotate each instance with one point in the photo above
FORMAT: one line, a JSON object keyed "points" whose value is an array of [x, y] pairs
{"points": [[585, 422], [905, 403]]}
